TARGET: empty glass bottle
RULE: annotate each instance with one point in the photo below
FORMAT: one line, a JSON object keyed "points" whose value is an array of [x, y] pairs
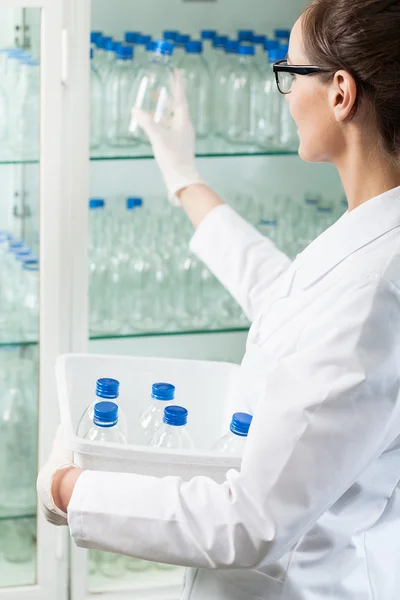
{"points": [[243, 89], [118, 87], [107, 389], [152, 89], [173, 432], [196, 79]]}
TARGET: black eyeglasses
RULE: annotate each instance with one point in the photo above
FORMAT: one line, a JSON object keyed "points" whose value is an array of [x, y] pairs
{"points": [[285, 73]]}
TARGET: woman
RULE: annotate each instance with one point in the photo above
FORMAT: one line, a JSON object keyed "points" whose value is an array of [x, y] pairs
{"points": [[314, 512]]}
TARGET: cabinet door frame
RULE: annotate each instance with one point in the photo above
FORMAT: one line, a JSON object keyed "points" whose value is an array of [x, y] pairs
{"points": [[55, 314]]}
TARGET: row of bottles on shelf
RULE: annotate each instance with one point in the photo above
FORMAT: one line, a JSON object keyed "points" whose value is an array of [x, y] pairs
{"points": [[19, 102], [19, 289], [163, 424], [229, 83], [143, 277], [18, 451]]}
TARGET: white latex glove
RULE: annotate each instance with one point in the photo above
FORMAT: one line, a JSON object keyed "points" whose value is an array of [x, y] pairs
{"points": [[60, 458], [173, 147]]}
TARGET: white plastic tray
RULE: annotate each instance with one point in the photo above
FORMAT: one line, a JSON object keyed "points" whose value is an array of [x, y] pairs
{"points": [[206, 389]]}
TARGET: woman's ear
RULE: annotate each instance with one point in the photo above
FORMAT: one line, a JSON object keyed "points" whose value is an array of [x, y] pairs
{"points": [[342, 95]]}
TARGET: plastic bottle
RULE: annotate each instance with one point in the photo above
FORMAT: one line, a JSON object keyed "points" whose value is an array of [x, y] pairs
{"points": [[106, 390], [181, 41], [243, 89], [105, 424], [218, 57], [173, 433], [25, 123], [270, 45], [96, 106], [105, 66], [152, 89], [220, 80], [208, 35], [259, 44], [162, 395], [234, 442], [100, 54], [269, 108], [140, 49], [118, 87], [196, 79]]}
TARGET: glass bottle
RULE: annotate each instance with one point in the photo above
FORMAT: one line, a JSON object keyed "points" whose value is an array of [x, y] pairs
{"points": [[196, 79], [234, 442], [173, 432]]}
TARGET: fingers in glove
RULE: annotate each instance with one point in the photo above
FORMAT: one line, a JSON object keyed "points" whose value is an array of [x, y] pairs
{"points": [[145, 120]]}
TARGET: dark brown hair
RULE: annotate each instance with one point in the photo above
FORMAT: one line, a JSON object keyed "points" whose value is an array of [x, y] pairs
{"points": [[361, 37]]}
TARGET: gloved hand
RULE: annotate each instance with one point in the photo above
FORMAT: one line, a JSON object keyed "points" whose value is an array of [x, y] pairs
{"points": [[174, 147], [60, 458]]}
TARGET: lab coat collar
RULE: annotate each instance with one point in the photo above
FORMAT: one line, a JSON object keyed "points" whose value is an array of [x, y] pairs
{"points": [[351, 232]]}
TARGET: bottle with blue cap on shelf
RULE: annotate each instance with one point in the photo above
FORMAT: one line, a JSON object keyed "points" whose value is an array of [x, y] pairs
{"points": [[233, 443], [169, 35], [96, 105], [245, 36], [243, 89], [141, 49], [173, 433], [207, 36], [219, 82], [197, 83], [94, 423], [180, 44], [270, 103], [282, 36], [218, 56], [131, 37], [118, 86], [24, 132], [259, 41], [152, 89], [151, 419]]}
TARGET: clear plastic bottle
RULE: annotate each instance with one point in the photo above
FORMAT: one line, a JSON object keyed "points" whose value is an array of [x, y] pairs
{"points": [[118, 87], [105, 424], [197, 82], [220, 81], [259, 45], [100, 54], [270, 45], [208, 35], [162, 395], [243, 89], [141, 49], [234, 442], [218, 56], [25, 128], [181, 42], [152, 89], [173, 433], [269, 108], [96, 106], [107, 389], [105, 66]]}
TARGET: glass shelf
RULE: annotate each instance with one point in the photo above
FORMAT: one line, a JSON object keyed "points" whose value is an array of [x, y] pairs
{"points": [[209, 148], [125, 336]]}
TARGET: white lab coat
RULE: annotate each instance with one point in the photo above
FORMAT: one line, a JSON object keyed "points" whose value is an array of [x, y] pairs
{"points": [[314, 512]]}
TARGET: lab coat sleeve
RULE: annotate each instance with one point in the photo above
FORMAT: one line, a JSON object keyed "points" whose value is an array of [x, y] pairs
{"points": [[327, 411], [245, 262]]}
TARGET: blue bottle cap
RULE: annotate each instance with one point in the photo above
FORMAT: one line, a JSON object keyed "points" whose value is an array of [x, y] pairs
{"points": [[208, 34], [150, 46], [169, 35], [105, 414], [271, 45], [94, 36], [133, 202], [245, 35], [193, 47], [282, 33], [163, 47], [175, 415], [231, 46], [163, 391], [182, 39], [30, 264], [274, 55], [259, 39], [102, 41], [219, 41], [107, 388], [240, 423], [15, 243], [143, 40], [124, 52], [131, 37], [271, 222], [96, 203], [110, 45], [246, 50], [22, 251]]}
